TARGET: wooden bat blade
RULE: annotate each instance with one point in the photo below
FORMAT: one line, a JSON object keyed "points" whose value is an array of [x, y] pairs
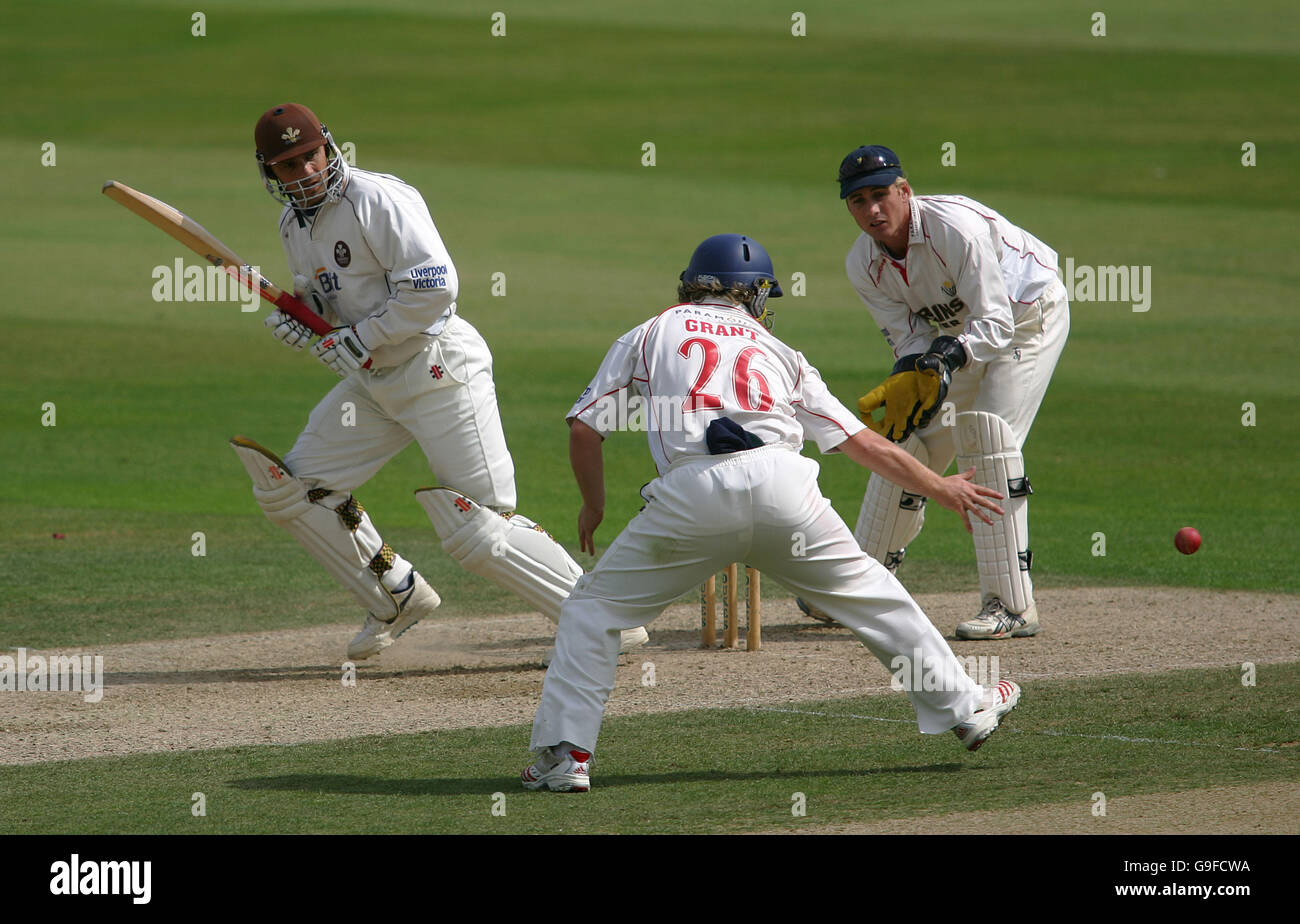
{"points": [[204, 243], [174, 222]]}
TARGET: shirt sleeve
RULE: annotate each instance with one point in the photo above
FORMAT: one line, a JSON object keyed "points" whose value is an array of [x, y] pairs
{"points": [[990, 325], [421, 277], [903, 331], [597, 405], [821, 415]]}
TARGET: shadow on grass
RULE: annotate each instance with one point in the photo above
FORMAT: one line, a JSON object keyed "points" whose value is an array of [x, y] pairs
{"points": [[809, 631], [306, 672], [345, 784], [688, 639]]}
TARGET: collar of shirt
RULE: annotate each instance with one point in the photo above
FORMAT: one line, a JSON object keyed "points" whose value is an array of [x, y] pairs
{"points": [[915, 235], [309, 216], [723, 304], [305, 217]]}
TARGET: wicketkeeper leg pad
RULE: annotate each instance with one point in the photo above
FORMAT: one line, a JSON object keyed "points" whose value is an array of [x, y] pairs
{"points": [[1001, 550], [507, 549], [890, 517], [333, 527]]}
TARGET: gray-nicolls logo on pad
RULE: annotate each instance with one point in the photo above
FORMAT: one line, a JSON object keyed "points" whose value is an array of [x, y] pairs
{"points": [[103, 877]]}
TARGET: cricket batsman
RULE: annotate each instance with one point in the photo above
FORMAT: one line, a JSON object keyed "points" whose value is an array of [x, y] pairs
{"points": [[366, 254]]}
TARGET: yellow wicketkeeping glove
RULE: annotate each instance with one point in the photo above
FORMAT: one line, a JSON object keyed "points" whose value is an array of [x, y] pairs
{"points": [[910, 400]]}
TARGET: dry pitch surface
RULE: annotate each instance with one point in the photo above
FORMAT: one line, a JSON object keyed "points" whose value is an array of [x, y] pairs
{"points": [[285, 687]]}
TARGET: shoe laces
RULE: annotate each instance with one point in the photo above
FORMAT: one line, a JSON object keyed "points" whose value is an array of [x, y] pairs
{"points": [[994, 607]]}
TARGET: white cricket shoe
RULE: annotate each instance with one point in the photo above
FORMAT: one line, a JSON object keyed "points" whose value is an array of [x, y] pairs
{"points": [[627, 640], [562, 768], [997, 702], [996, 621], [412, 606], [632, 638]]}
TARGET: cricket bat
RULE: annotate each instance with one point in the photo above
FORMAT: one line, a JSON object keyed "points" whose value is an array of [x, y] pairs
{"points": [[198, 239]]}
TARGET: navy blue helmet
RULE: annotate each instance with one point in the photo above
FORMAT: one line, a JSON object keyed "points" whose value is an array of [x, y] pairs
{"points": [[735, 259], [731, 258]]}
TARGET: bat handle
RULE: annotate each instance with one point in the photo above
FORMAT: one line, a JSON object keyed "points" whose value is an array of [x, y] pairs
{"points": [[300, 312], [285, 301]]}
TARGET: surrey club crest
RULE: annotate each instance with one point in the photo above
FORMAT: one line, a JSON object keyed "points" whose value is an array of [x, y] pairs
{"points": [[342, 255]]}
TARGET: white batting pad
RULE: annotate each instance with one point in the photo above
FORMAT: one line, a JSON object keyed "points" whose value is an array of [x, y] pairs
{"points": [[890, 517], [512, 551], [1002, 550], [334, 529]]}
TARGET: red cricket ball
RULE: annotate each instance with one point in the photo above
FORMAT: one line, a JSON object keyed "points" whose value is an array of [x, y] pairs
{"points": [[1187, 540]]}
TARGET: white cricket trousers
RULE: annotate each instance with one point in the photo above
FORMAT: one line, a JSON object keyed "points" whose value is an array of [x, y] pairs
{"points": [[443, 398], [761, 507], [1012, 385]]}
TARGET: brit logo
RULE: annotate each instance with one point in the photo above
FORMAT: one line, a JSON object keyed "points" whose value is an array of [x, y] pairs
{"points": [[290, 135], [949, 287], [435, 371], [342, 255]]}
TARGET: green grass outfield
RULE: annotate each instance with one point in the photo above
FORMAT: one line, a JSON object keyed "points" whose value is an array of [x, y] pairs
{"points": [[1118, 149], [1122, 149], [704, 771]]}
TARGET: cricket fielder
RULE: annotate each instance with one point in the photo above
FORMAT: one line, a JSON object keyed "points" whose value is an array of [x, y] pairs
{"points": [[729, 409], [365, 253], [974, 311]]}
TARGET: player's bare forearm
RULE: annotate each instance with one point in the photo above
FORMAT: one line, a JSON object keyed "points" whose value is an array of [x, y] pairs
{"points": [[588, 462], [873, 451], [956, 492]]}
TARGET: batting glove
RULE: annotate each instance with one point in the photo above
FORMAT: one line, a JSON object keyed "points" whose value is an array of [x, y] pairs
{"points": [[342, 350], [288, 331]]}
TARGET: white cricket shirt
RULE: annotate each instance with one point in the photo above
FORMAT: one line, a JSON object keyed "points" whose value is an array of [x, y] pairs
{"points": [[968, 273], [692, 364], [377, 261]]}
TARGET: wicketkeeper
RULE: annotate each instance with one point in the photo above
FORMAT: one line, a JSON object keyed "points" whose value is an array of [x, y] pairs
{"points": [[976, 315]]}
